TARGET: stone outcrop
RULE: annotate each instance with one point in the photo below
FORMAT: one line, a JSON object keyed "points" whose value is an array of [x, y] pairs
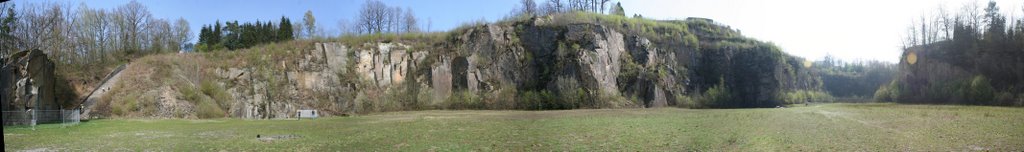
{"points": [[595, 64], [27, 82]]}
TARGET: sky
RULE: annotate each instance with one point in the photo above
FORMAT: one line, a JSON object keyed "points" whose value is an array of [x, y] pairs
{"points": [[846, 29]]}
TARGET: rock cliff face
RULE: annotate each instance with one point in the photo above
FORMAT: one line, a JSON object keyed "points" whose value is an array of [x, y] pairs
{"points": [[27, 82], [536, 63]]}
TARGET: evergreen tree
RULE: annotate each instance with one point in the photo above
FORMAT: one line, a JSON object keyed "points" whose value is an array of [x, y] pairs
{"points": [[204, 36], [996, 23], [284, 32], [217, 34]]}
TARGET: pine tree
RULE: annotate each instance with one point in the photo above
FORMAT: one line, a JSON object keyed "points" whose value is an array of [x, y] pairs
{"points": [[284, 31], [217, 34]]}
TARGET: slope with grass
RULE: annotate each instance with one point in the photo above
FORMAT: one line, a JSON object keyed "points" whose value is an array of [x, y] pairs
{"points": [[828, 127]]}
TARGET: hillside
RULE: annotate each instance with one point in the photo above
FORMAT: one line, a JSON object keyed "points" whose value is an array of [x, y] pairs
{"points": [[561, 61]]}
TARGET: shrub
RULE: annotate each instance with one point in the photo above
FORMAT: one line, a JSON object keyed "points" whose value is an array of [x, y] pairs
{"points": [[207, 108], [570, 92], [804, 96], [530, 100], [404, 96], [980, 90], [1004, 99], [537, 100], [190, 94], [215, 91], [504, 98], [125, 105], [610, 100], [426, 97], [361, 103], [1020, 99], [687, 101], [882, 94], [716, 96], [463, 100], [887, 93]]}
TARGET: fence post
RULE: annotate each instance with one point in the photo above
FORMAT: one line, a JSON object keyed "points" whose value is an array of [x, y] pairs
{"points": [[32, 122]]}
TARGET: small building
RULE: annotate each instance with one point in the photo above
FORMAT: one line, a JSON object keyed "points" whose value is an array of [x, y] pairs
{"points": [[307, 114]]}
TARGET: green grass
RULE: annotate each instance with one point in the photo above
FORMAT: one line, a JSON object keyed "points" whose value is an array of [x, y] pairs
{"points": [[828, 127]]}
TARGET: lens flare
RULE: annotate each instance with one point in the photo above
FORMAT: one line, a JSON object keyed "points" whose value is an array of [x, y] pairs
{"points": [[911, 57]]}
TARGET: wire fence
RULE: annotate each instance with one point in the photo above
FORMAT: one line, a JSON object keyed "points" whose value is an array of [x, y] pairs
{"points": [[31, 118]]}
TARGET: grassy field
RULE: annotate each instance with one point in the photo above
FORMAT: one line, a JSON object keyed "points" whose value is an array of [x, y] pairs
{"points": [[828, 127]]}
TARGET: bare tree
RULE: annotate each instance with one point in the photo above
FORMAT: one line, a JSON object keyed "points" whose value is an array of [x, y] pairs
{"points": [[944, 21], [159, 35], [529, 7], [298, 30], [971, 14], [46, 27], [604, 4], [411, 23], [911, 37], [182, 34], [130, 20], [372, 16], [92, 32], [346, 27], [394, 19], [309, 22], [553, 6]]}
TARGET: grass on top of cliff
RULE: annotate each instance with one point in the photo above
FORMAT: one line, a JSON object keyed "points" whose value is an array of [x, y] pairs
{"points": [[828, 127]]}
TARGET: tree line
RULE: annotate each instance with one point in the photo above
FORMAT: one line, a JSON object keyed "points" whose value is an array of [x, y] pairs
{"points": [[529, 7], [237, 36], [80, 35]]}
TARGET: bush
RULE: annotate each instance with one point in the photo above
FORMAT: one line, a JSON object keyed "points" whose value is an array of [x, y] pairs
{"points": [[207, 108], [1020, 99], [463, 100], [981, 91], [190, 94], [124, 105], [218, 93], [571, 94], [504, 98], [362, 103], [536, 100], [887, 93], [716, 96], [804, 96], [1004, 99], [688, 102]]}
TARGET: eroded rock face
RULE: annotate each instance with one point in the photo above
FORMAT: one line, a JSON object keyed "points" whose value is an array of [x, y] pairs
{"points": [[576, 59], [530, 57], [387, 63], [603, 62], [314, 83], [27, 82]]}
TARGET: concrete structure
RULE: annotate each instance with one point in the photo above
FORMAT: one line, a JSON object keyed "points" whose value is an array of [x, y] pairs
{"points": [[307, 114]]}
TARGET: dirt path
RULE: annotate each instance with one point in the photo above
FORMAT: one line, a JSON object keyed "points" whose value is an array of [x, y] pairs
{"points": [[102, 90]]}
